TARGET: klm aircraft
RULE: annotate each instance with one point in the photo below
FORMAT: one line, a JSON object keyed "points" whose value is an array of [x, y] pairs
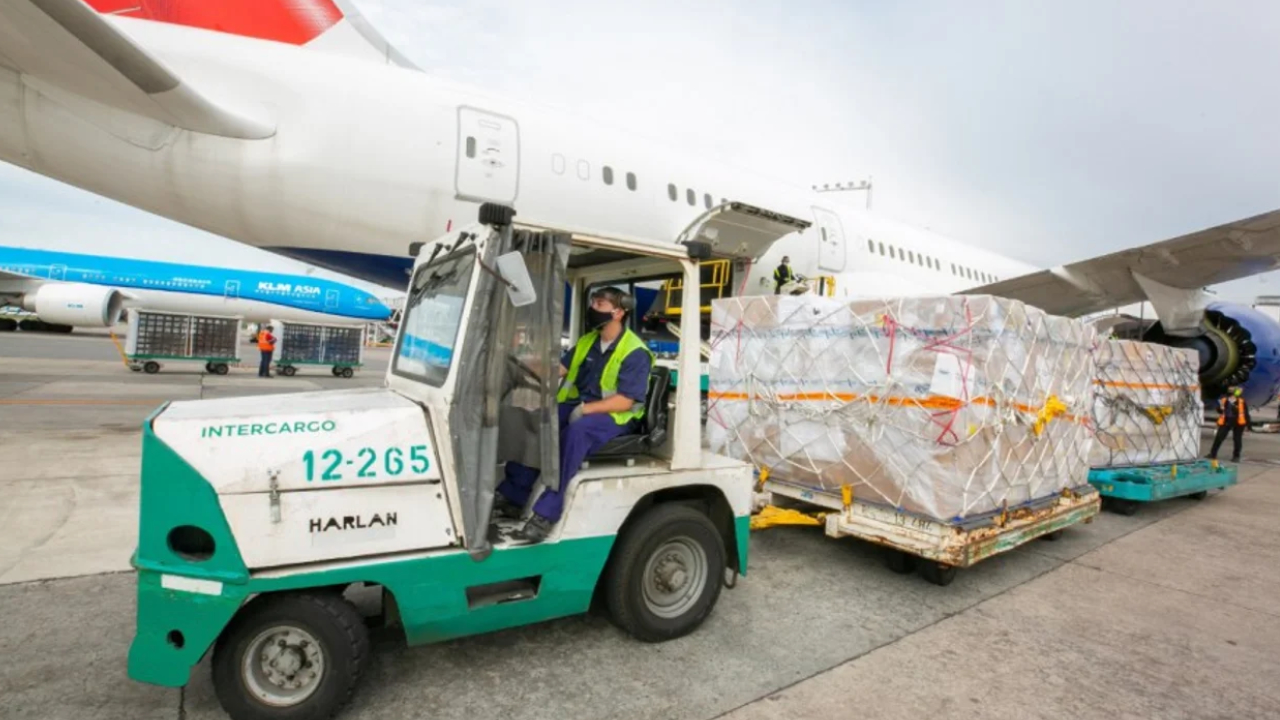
{"points": [[72, 289]]}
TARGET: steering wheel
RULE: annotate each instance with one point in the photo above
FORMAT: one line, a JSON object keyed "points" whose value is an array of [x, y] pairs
{"points": [[525, 376]]}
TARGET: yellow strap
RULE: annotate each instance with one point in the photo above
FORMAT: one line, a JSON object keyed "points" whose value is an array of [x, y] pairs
{"points": [[772, 516], [123, 358]]}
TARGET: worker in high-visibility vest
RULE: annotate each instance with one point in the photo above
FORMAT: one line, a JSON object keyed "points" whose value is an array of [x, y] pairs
{"points": [[782, 275], [1233, 417], [267, 346], [605, 380]]}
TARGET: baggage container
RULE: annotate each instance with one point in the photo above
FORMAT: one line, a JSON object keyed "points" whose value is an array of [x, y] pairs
{"points": [[341, 347], [156, 337]]}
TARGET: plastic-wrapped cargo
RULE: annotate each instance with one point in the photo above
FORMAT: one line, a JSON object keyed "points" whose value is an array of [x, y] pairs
{"points": [[1146, 407], [950, 407]]}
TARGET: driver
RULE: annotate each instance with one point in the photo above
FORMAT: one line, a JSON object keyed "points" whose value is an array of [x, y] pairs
{"points": [[606, 376]]}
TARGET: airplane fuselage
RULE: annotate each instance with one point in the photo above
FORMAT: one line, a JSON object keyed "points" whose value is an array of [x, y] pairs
{"points": [[367, 159]]}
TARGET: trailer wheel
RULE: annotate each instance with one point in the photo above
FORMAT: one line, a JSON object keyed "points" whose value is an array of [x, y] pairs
{"points": [[288, 370], [151, 367], [938, 573], [1199, 495], [347, 372], [899, 562], [221, 369], [665, 577], [335, 369], [1124, 507], [290, 656]]}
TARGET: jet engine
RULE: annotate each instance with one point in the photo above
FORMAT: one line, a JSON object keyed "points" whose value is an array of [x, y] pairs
{"points": [[1237, 346], [75, 304]]}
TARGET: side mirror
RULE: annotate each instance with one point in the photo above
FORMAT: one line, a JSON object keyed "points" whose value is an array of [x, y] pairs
{"points": [[513, 270]]}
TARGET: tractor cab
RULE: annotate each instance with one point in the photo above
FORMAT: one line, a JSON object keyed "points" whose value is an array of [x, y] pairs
{"points": [[258, 519]]}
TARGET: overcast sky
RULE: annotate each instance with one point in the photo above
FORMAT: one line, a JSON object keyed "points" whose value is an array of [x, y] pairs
{"points": [[1050, 131]]}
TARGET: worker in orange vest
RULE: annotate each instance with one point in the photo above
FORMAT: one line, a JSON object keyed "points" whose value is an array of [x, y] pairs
{"points": [[1233, 417], [266, 344]]}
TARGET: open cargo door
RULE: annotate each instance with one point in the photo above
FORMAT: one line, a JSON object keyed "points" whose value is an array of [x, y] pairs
{"points": [[739, 230]]}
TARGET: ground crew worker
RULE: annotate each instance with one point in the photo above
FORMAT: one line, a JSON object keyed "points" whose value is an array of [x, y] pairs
{"points": [[1233, 417], [606, 378], [267, 345], [782, 275]]}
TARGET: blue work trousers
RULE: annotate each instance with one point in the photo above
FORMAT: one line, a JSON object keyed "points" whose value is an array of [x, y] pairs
{"points": [[264, 367], [577, 441]]}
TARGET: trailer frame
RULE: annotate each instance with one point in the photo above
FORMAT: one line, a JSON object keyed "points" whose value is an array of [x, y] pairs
{"points": [[1125, 489], [944, 546]]}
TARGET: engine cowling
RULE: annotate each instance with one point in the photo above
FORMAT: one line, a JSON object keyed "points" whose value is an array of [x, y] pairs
{"points": [[1239, 347], [75, 304]]}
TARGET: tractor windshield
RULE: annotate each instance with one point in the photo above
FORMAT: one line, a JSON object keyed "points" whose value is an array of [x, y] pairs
{"points": [[432, 316]]}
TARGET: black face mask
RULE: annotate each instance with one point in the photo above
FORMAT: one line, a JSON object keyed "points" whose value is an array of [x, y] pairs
{"points": [[597, 319]]}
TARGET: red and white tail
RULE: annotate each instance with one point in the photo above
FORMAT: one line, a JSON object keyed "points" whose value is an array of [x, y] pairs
{"points": [[328, 25]]}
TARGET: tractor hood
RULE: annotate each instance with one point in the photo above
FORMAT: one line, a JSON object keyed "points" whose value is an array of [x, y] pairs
{"points": [[310, 477]]}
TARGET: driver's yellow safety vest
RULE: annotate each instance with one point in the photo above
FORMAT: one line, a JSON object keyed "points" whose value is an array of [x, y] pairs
{"points": [[628, 343]]}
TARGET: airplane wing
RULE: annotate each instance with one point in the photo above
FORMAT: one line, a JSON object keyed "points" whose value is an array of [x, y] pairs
{"points": [[66, 51], [1183, 264]]}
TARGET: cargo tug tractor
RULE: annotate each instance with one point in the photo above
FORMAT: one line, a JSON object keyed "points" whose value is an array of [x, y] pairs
{"points": [[262, 517]]}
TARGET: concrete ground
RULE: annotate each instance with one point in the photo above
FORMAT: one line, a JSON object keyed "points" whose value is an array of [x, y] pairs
{"points": [[1171, 613]]}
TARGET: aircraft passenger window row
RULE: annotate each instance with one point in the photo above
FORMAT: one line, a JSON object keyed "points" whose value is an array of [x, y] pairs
{"points": [[909, 256]]}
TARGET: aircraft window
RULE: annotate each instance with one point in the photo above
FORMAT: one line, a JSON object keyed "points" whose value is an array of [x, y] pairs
{"points": [[631, 181], [911, 256], [824, 234], [881, 246], [557, 163], [691, 196], [672, 192], [471, 147], [871, 247], [706, 200], [584, 170], [607, 173], [891, 255]]}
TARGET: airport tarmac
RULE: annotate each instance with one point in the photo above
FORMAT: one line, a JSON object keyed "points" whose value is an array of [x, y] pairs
{"points": [[1171, 613]]}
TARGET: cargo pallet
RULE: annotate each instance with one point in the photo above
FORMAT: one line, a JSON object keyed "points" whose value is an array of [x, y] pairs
{"points": [[1124, 489], [164, 336], [939, 549]]}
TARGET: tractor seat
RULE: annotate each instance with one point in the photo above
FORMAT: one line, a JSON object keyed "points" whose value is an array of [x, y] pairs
{"points": [[653, 426]]}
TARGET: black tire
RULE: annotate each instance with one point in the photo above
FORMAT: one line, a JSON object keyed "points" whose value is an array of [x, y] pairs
{"points": [[938, 573], [1124, 507], [900, 562], [334, 623], [335, 370], [625, 577], [208, 367], [1199, 495], [8, 325], [151, 367], [494, 214], [288, 370], [221, 369], [347, 372]]}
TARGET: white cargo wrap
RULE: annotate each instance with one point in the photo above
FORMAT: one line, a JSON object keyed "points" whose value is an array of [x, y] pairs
{"points": [[1147, 408], [949, 407]]}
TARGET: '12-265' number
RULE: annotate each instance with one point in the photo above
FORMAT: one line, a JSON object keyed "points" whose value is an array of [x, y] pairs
{"points": [[393, 462]]}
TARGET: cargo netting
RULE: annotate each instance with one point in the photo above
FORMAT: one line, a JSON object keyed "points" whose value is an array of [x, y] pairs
{"points": [[321, 344], [1146, 408], [949, 407]]}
